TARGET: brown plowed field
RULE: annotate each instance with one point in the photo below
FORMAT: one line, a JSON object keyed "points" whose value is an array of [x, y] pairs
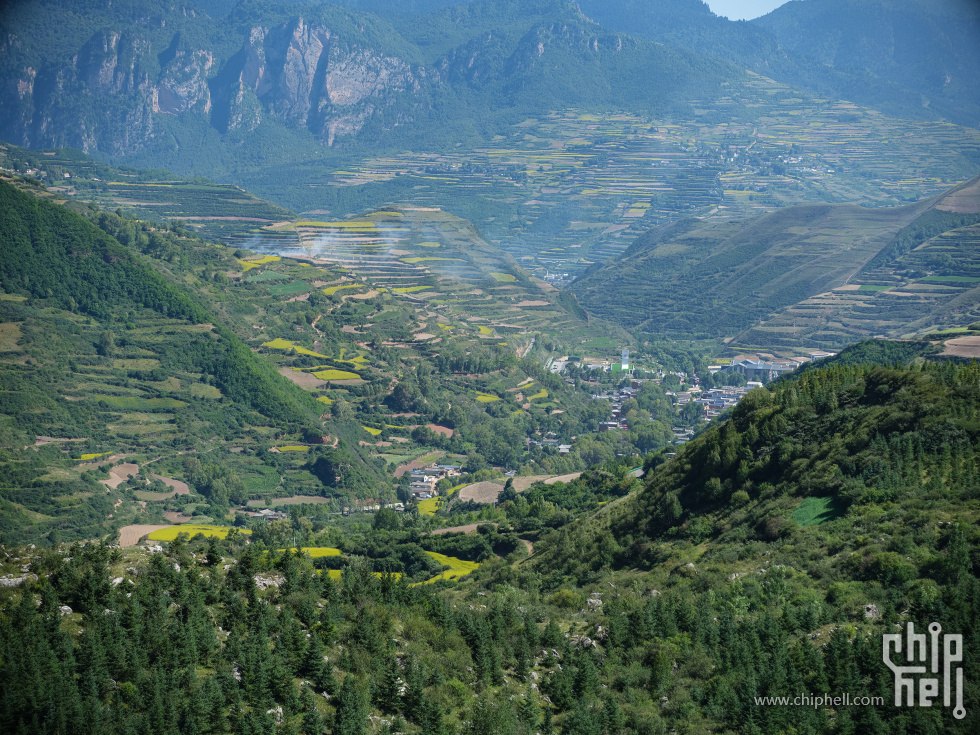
{"points": [[130, 535], [481, 492], [181, 488], [306, 381], [963, 347], [120, 473]]}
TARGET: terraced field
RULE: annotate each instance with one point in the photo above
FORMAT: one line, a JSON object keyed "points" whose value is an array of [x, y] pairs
{"points": [[471, 288], [220, 212], [569, 189], [925, 291]]}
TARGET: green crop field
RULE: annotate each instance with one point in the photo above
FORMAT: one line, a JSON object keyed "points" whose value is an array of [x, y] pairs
{"points": [[293, 287]]}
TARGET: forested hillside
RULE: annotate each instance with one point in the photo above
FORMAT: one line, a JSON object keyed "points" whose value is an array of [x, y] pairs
{"points": [[765, 559]]}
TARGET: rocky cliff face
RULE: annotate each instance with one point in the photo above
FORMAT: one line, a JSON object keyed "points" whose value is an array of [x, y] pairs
{"points": [[309, 77], [109, 95]]}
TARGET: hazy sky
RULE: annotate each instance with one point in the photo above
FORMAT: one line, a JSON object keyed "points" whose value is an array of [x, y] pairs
{"points": [[743, 9]]}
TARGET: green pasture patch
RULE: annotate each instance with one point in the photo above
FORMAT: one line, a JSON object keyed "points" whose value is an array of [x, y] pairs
{"points": [[265, 276], [411, 289], [192, 529], [866, 287], [294, 448], [260, 479], [814, 511], [292, 287], [151, 496], [429, 245], [504, 277], [139, 431], [136, 364], [203, 390], [9, 337], [134, 403]]}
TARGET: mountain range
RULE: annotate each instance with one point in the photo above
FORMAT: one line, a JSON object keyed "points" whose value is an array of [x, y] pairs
{"points": [[209, 88]]}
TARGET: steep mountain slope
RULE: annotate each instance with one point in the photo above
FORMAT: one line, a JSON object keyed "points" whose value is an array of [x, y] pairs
{"points": [[697, 277], [927, 46], [900, 56]]}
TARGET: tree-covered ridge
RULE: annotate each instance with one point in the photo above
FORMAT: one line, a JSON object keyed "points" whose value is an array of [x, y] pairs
{"points": [[861, 442], [50, 252]]}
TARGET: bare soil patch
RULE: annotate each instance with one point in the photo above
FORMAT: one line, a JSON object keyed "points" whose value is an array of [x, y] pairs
{"points": [[963, 347], [481, 492], [42, 440], [440, 430], [181, 488], [523, 483], [468, 528], [175, 517], [130, 535], [964, 201], [534, 303], [120, 473], [562, 478], [306, 381]]}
